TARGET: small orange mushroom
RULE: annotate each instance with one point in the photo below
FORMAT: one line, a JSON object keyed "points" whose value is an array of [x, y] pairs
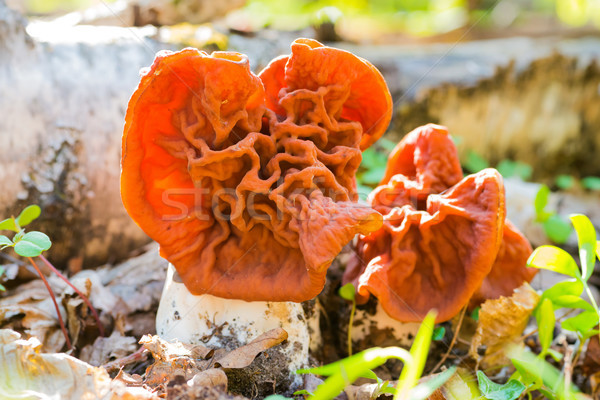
{"points": [[444, 241], [246, 202]]}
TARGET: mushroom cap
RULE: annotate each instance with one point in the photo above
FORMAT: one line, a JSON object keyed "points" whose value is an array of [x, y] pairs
{"points": [[431, 257], [366, 98], [509, 270], [423, 165], [241, 206]]}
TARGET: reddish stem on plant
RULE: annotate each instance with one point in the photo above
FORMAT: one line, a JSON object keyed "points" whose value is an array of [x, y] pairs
{"points": [[138, 355], [60, 320], [83, 297]]}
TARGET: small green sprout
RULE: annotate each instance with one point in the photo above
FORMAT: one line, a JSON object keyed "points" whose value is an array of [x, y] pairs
{"points": [[567, 294], [33, 244]]}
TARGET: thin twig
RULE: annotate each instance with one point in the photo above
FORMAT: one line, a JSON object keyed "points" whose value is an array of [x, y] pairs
{"points": [[83, 296], [121, 362], [60, 320], [445, 357]]}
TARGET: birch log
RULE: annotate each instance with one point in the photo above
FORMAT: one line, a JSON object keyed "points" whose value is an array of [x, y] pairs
{"points": [[62, 102]]}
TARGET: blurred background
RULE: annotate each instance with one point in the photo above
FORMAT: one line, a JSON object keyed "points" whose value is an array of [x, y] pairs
{"points": [[517, 82]]}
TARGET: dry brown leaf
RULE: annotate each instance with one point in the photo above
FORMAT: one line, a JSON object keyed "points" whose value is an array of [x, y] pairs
{"points": [[501, 322], [28, 374], [173, 359], [211, 377], [243, 356], [107, 349], [29, 309]]}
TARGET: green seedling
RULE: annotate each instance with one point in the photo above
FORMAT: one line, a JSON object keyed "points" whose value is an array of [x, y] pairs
{"points": [[567, 294], [344, 372], [33, 244]]}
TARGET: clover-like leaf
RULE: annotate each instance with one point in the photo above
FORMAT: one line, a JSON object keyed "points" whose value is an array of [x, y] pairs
{"points": [[347, 292], [586, 237], [32, 244], [494, 391], [8, 225], [29, 214], [554, 259]]}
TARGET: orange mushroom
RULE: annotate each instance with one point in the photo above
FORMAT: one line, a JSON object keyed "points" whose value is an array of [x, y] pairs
{"points": [[444, 241], [349, 87], [245, 202]]}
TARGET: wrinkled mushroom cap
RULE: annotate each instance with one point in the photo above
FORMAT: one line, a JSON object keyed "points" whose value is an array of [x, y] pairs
{"points": [[366, 98], [240, 205], [423, 259]]}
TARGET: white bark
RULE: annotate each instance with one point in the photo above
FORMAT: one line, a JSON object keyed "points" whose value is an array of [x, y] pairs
{"points": [[62, 102]]}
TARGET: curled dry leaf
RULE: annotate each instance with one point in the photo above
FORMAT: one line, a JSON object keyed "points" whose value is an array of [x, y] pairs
{"points": [[243, 356], [28, 374], [501, 322]]}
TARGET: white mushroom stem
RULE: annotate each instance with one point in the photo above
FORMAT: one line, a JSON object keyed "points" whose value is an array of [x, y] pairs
{"points": [[223, 323]]}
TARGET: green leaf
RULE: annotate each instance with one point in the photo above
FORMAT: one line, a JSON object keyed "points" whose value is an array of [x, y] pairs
{"points": [[32, 244], [426, 389], [347, 292], [475, 162], [540, 203], [591, 182], [420, 348], [570, 301], [536, 372], [28, 214], [493, 391], [8, 225], [5, 241], [475, 314], [438, 333], [373, 175], [343, 372], [571, 287], [546, 320], [510, 168], [586, 237], [564, 182], [557, 229], [554, 259], [581, 323]]}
